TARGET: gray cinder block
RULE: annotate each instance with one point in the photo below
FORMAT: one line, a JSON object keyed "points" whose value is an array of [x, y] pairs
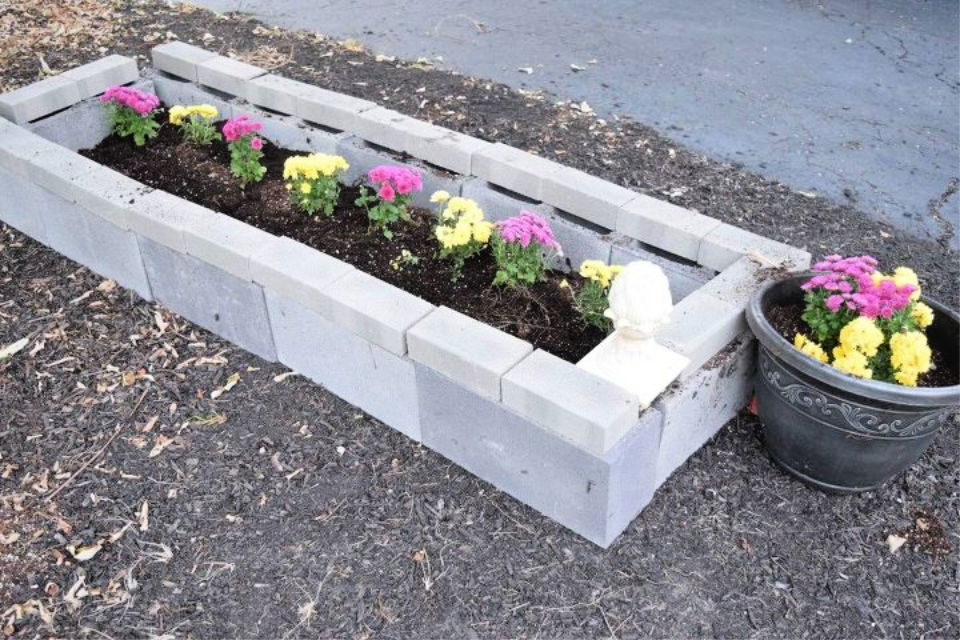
{"points": [[569, 401], [684, 277], [444, 148], [696, 408], [585, 196], [162, 217], [665, 226], [498, 205], [595, 496], [294, 270], [227, 75], [376, 311], [726, 244], [331, 109], [700, 326], [363, 374], [21, 205], [39, 99], [383, 127], [275, 92], [513, 169], [291, 133], [96, 77], [224, 242], [578, 243], [737, 283], [83, 126], [92, 241], [180, 59], [474, 354], [115, 254], [108, 194], [233, 308]]}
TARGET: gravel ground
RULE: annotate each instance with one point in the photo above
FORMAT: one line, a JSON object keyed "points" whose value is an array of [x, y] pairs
{"points": [[275, 510]]}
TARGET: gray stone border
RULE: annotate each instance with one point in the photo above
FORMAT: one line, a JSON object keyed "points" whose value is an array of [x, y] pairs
{"points": [[572, 445]]}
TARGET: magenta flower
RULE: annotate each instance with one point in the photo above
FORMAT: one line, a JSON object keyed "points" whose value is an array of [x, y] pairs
{"points": [[526, 228], [240, 126], [256, 143], [834, 303], [391, 180], [140, 101], [850, 284], [386, 192]]}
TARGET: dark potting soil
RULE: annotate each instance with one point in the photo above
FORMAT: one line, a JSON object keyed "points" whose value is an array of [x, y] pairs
{"points": [[787, 321], [542, 314]]}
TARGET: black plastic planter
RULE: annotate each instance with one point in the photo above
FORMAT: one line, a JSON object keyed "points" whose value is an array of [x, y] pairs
{"points": [[834, 431]]}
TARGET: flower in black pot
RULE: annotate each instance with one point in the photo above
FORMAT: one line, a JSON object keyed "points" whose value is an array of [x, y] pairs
{"points": [[856, 371]]}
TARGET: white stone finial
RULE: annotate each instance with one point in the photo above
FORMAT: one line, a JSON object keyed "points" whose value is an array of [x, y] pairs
{"points": [[640, 303], [640, 300]]}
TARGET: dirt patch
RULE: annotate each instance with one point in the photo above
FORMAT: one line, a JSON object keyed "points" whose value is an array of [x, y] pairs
{"points": [[542, 314]]}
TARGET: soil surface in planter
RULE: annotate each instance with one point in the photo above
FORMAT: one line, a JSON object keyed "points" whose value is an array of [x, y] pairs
{"points": [[787, 321], [542, 314]]}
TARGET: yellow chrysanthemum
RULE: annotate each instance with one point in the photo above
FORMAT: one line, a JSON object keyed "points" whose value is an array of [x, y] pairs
{"points": [[909, 352], [810, 348], [313, 166], [922, 314], [907, 378], [179, 113], [482, 231], [599, 272], [305, 187], [462, 222], [862, 334], [851, 361], [439, 196]]}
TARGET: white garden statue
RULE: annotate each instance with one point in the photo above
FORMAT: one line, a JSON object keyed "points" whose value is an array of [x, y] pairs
{"points": [[640, 303]]}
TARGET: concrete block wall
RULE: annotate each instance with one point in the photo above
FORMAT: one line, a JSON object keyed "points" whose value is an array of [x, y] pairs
{"points": [[590, 460]]}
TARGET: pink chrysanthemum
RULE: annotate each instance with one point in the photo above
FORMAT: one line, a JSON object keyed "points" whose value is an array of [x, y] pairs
{"points": [[240, 126], [850, 284], [140, 101], [526, 228], [391, 181]]}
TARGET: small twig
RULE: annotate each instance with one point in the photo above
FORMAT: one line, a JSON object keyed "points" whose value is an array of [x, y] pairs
{"points": [[116, 432]]}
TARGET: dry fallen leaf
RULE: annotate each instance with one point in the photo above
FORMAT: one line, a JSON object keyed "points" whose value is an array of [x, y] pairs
{"points": [[12, 349], [143, 516], [895, 542], [84, 552], [232, 381], [161, 443], [9, 538], [283, 376], [353, 46]]}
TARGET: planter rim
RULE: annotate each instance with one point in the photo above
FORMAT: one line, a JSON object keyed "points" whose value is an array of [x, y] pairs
{"points": [[771, 339]]}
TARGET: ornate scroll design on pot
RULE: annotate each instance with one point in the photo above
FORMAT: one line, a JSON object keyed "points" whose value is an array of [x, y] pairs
{"points": [[842, 414]]}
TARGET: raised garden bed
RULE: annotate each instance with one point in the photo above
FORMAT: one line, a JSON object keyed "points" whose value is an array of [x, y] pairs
{"points": [[578, 448], [541, 315]]}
